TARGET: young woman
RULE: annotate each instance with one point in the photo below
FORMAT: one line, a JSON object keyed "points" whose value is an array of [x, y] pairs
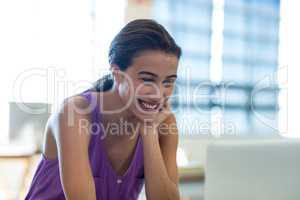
{"points": [[109, 140]]}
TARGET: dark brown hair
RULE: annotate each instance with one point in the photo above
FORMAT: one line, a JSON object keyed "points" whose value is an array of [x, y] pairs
{"points": [[136, 37]]}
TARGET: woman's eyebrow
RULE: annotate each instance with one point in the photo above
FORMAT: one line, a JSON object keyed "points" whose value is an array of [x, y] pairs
{"points": [[172, 76], [152, 74], [147, 73]]}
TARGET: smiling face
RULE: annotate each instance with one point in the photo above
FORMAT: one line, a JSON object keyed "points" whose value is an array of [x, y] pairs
{"points": [[148, 83]]}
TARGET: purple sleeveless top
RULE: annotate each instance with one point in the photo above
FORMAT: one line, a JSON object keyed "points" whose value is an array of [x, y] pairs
{"points": [[46, 183]]}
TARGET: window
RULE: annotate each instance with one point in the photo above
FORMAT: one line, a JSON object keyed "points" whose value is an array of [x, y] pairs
{"points": [[227, 75]]}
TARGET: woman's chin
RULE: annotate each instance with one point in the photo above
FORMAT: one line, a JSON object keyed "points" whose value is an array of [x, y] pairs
{"points": [[144, 116]]}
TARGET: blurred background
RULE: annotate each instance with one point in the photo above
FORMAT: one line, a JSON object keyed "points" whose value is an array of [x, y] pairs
{"points": [[237, 76]]}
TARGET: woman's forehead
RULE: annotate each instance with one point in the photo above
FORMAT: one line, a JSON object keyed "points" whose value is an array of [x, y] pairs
{"points": [[156, 62]]}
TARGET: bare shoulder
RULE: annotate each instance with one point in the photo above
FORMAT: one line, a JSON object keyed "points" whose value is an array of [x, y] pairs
{"points": [[64, 122], [72, 108]]}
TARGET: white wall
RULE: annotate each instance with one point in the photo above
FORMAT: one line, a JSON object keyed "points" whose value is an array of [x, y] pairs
{"points": [[138, 9]]}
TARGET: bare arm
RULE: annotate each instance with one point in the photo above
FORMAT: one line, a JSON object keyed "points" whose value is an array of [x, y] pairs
{"points": [[161, 178], [72, 146]]}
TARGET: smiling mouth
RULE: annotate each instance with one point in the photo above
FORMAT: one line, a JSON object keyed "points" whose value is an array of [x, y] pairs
{"points": [[148, 106]]}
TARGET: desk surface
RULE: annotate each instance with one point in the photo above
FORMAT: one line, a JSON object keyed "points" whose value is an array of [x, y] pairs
{"points": [[188, 191]]}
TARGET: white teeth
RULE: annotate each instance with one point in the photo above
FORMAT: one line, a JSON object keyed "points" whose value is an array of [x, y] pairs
{"points": [[149, 106]]}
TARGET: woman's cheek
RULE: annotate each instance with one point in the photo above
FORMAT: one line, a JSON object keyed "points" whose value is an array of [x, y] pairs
{"points": [[125, 92]]}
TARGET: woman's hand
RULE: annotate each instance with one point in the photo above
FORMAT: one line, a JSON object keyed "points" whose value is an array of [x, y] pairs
{"points": [[163, 113], [162, 120], [160, 141]]}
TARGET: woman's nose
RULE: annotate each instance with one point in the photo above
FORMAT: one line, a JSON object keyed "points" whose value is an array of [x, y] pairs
{"points": [[158, 92]]}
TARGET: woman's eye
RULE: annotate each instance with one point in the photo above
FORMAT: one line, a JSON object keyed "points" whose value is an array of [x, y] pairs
{"points": [[168, 83], [147, 80]]}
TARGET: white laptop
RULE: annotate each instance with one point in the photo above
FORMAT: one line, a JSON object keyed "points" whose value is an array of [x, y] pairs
{"points": [[253, 170]]}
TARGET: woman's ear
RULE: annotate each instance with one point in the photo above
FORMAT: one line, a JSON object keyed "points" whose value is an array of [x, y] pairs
{"points": [[116, 72]]}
